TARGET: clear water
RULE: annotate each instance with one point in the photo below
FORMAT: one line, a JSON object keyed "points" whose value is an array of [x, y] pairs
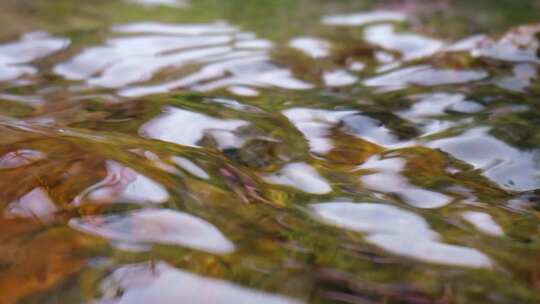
{"points": [[269, 151]]}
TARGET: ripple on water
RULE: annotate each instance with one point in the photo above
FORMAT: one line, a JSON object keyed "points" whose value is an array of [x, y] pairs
{"points": [[349, 60], [398, 231], [523, 75], [338, 78], [509, 167], [315, 125], [123, 184], [19, 158], [430, 111], [410, 46], [424, 75], [363, 18], [483, 222], [438, 104], [371, 130], [15, 57], [190, 167], [222, 55], [300, 176], [156, 226], [161, 283], [36, 204], [311, 46], [386, 177], [173, 3], [188, 128], [518, 45]]}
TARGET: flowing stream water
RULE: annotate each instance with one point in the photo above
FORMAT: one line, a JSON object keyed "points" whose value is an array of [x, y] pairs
{"points": [[286, 151]]}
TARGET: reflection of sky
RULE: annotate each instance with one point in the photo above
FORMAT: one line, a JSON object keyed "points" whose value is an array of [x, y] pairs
{"points": [[315, 125], [190, 167], [411, 46], [424, 75], [123, 184], [519, 45], [159, 226], [311, 46], [35, 204], [509, 167], [398, 231], [164, 284], [15, 57], [483, 222], [20, 158], [300, 176], [226, 57], [386, 177], [363, 18], [430, 110], [173, 3], [188, 128]]}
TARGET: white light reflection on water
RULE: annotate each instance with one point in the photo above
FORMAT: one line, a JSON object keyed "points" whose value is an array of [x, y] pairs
{"points": [[523, 75], [519, 45], [410, 46], [338, 78], [173, 3], [386, 177], [19, 158], [466, 44], [483, 222], [156, 226], [311, 46], [398, 231], [35, 204], [190, 167], [161, 283], [119, 64], [243, 91], [363, 18], [437, 104], [424, 75], [188, 128], [223, 58], [507, 166], [300, 176], [315, 125], [371, 130], [15, 57], [429, 110], [123, 184], [202, 30]]}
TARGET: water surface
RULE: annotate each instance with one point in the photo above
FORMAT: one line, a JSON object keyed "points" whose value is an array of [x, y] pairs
{"points": [[269, 151]]}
